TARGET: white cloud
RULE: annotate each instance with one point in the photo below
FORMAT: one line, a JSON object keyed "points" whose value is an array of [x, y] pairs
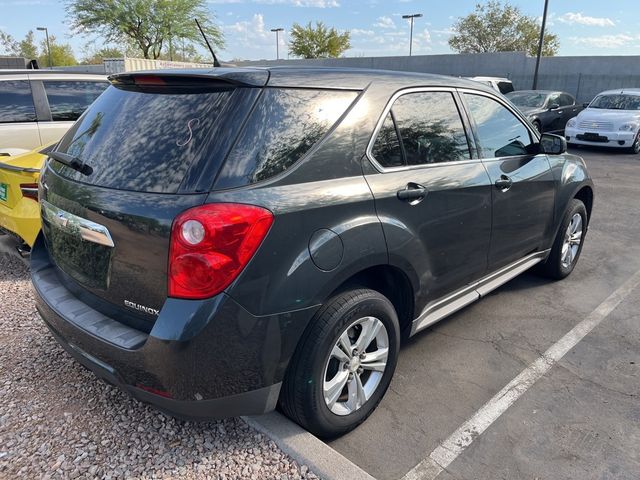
{"points": [[249, 30], [385, 22], [607, 41], [360, 31], [572, 18], [294, 3]]}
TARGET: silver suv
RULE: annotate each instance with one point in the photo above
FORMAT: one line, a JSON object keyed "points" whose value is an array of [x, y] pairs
{"points": [[38, 106]]}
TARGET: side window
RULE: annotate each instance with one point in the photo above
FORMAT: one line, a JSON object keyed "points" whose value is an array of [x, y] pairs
{"points": [[69, 99], [285, 124], [430, 128], [566, 100], [500, 132], [16, 102], [554, 99], [386, 150]]}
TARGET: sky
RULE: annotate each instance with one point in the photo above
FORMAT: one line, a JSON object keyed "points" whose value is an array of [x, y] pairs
{"points": [[585, 27]]}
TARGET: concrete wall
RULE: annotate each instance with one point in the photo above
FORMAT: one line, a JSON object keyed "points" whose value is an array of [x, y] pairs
{"points": [[583, 77], [7, 63]]}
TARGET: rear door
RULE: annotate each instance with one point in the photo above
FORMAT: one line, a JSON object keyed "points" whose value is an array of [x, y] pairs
{"points": [[18, 120], [432, 196], [569, 108], [147, 145], [523, 186], [66, 100]]}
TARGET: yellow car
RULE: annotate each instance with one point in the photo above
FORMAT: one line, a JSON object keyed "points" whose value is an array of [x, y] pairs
{"points": [[19, 208]]}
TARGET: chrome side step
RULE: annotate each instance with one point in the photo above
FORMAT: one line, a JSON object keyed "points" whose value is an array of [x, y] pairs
{"points": [[439, 309]]}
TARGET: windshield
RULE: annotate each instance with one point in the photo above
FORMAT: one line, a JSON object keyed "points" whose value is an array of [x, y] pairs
{"points": [[527, 99], [616, 102]]}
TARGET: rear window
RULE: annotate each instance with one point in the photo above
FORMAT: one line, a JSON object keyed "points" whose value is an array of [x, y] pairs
{"points": [[143, 140], [16, 103], [285, 124], [68, 99]]}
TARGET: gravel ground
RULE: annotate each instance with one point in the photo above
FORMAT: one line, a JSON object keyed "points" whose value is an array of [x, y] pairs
{"points": [[58, 421]]}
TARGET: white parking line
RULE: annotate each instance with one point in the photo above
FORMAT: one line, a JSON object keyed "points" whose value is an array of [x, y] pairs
{"points": [[452, 447]]}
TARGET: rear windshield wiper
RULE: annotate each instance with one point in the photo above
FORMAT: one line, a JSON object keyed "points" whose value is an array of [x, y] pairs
{"points": [[71, 162]]}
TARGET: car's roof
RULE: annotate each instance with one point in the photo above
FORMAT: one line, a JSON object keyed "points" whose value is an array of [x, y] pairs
{"points": [[629, 91], [18, 74], [316, 77], [544, 92], [487, 79]]}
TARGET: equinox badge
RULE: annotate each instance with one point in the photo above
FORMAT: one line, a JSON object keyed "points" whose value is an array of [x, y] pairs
{"points": [[141, 308]]}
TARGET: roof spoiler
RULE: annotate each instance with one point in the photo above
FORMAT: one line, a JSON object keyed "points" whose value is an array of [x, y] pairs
{"points": [[220, 77]]}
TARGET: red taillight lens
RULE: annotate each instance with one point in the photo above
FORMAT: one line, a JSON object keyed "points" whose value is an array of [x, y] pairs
{"points": [[211, 244], [29, 190]]}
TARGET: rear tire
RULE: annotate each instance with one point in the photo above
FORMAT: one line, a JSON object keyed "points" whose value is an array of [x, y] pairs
{"points": [[538, 126], [329, 392], [568, 243]]}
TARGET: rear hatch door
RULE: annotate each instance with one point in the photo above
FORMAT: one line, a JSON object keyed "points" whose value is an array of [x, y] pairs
{"points": [[153, 144]]}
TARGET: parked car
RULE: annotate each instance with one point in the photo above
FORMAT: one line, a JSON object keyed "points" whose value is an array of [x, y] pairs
{"points": [[215, 243], [499, 84], [612, 119], [549, 111], [19, 209], [38, 106]]}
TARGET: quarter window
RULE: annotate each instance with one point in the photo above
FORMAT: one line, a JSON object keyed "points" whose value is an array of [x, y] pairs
{"points": [[16, 102], [430, 131], [68, 99], [500, 132], [387, 149]]}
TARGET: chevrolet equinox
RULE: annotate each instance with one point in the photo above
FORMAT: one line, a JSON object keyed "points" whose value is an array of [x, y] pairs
{"points": [[221, 243]]}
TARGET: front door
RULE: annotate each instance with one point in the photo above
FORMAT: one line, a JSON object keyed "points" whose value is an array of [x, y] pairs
{"points": [[523, 184], [432, 196]]}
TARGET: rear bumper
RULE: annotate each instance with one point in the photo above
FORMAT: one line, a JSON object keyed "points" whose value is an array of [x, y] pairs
{"points": [[22, 220], [201, 360]]}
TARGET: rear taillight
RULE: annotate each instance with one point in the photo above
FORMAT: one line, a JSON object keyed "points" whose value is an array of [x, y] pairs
{"points": [[29, 190], [211, 244]]}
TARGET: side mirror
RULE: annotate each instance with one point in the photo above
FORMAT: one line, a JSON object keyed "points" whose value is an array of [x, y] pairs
{"points": [[585, 104], [553, 144], [554, 106]]}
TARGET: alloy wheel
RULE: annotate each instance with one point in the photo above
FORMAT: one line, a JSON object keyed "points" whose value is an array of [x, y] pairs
{"points": [[572, 240], [355, 366]]}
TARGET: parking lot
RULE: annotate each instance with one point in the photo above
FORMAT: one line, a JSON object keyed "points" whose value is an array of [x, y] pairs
{"points": [[581, 419]]}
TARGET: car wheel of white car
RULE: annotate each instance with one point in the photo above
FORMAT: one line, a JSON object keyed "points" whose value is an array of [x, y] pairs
{"points": [[635, 148]]}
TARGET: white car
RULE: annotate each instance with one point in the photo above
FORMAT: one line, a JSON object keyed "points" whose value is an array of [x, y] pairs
{"points": [[499, 84], [37, 107], [612, 119]]}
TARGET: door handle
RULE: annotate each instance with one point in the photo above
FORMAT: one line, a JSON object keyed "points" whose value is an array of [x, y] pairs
{"points": [[504, 183], [413, 194]]}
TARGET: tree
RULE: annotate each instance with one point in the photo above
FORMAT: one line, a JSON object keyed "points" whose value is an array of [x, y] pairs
{"points": [[61, 53], [151, 24], [318, 42], [498, 27], [97, 56], [24, 48]]}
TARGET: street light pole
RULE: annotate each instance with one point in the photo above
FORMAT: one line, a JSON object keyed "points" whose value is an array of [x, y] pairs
{"points": [[46, 31], [540, 44], [411, 17], [277, 30]]}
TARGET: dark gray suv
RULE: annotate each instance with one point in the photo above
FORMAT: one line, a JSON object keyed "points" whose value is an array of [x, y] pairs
{"points": [[220, 243]]}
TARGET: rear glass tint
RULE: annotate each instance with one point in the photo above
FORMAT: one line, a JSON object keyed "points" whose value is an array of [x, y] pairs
{"points": [[16, 103], [285, 124], [143, 140], [68, 99]]}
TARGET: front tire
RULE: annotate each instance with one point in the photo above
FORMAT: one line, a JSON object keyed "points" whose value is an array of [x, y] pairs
{"points": [[568, 243], [343, 364], [635, 148]]}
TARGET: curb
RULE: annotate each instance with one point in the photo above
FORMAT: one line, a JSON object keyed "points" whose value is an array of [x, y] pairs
{"points": [[306, 449]]}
